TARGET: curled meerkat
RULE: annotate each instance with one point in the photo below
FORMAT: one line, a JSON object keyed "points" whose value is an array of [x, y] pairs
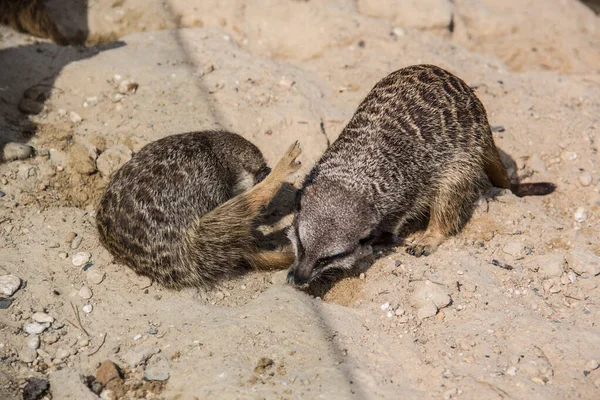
{"points": [[181, 211], [31, 16], [419, 144]]}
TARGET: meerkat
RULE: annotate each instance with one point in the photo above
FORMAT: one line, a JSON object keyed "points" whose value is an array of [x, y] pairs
{"points": [[182, 210], [418, 145], [31, 16]]}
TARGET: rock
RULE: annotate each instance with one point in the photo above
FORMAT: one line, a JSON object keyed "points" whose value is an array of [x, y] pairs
{"points": [[34, 329], [385, 306], [85, 292], [69, 237], [76, 242], [514, 248], [62, 354], [42, 318], [82, 157], [81, 258], [87, 308], [67, 384], [62, 255], [33, 342], [536, 164], [74, 117], [429, 292], [83, 342], [127, 86], [585, 179], [580, 214], [592, 365], [583, 262], [9, 284], [427, 311], [51, 337], [5, 303], [35, 389], [112, 159], [107, 371], [157, 369], [27, 355], [512, 371], [548, 265], [94, 276], [139, 355], [108, 395]]}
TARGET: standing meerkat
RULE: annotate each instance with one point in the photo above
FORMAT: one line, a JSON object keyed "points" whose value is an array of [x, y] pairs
{"points": [[419, 144], [31, 16], [182, 210]]}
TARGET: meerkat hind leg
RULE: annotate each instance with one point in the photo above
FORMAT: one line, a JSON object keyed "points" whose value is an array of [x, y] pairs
{"points": [[448, 209]]}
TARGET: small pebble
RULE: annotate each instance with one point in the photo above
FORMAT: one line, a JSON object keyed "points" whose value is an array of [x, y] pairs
{"points": [[94, 276], [361, 276], [399, 312], [585, 179], [70, 236], [27, 355], [34, 329], [42, 318], [127, 86], [85, 292], [9, 284], [62, 255], [87, 308], [580, 214], [152, 331], [5, 303], [75, 118], [83, 342], [61, 354], [76, 242], [427, 311], [137, 337], [33, 342], [2, 194], [157, 369], [512, 371], [81, 258], [385, 306], [390, 314], [51, 337], [592, 365]]}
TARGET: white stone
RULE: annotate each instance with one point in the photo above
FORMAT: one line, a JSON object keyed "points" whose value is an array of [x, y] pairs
{"points": [[75, 118], [42, 318], [9, 284], [592, 365], [427, 311], [33, 342], [27, 355], [85, 292], [157, 369], [580, 214], [61, 354], [81, 258], [139, 355], [385, 306], [585, 179], [35, 328], [87, 308], [429, 292]]}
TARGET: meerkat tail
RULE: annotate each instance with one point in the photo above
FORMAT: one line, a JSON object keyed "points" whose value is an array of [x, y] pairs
{"points": [[497, 174]]}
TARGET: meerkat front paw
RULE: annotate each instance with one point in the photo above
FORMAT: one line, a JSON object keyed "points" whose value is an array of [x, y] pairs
{"points": [[16, 151]]}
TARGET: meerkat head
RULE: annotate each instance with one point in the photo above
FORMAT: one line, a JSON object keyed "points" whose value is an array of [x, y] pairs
{"points": [[332, 228]]}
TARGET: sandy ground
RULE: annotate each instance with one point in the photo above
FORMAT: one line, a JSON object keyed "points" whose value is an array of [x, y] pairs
{"points": [[507, 309]]}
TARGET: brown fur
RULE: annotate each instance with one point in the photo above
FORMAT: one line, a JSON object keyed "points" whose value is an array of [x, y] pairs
{"points": [[172, 213], [31, 16], [418, 145]]}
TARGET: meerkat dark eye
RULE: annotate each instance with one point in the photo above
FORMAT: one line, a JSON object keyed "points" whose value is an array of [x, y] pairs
{"points": [[323, 261]]}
